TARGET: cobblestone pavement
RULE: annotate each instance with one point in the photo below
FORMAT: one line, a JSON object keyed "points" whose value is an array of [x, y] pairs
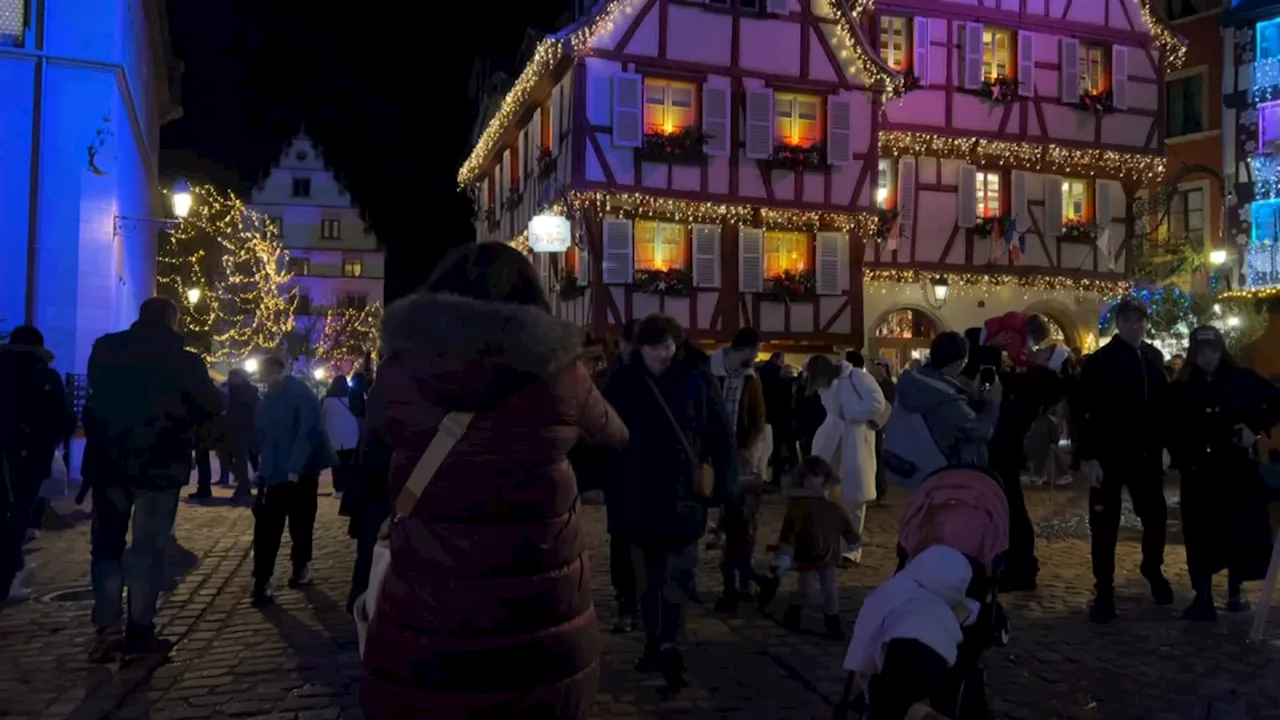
{"points": [[298, 660]]}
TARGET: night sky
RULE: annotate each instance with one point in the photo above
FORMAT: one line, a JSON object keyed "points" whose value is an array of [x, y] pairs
{"points": [[383, 90]]}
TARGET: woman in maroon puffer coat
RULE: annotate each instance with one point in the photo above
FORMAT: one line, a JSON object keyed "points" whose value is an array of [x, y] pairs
{"points": [[486, 612]]}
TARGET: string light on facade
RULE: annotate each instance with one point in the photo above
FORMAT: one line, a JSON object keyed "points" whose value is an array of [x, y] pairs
{"points": [[632, 205], [1036, 157], [1175, 49], [852, 43], [984, 282], [231, 255]]}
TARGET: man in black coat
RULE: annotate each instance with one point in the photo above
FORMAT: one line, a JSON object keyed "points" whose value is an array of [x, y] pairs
{"points": [[149, 396], [34, 420], [778, 393], [1120, 400]]}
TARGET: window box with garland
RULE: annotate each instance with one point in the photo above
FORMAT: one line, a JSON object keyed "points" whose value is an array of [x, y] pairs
{"points": [[672, 282], [1078, 230], [886, 223], [1000, 89], [546, 163], [983, 229], [791, 286], [684, 146], [492, 222], [1097, 102], [514, 196], [786, 156]]}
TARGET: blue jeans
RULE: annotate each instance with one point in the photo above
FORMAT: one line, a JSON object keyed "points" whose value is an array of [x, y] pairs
{"points": [[153, 514]]}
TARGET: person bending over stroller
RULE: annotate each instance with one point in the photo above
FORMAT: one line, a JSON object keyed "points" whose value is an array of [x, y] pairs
{"points": [[908, 634]]}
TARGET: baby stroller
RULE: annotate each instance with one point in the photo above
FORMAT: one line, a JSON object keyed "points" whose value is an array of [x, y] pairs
{"points": [[963, 508]]}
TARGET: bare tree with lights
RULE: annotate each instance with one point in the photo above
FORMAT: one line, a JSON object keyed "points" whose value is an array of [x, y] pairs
{"points": [[229, 272], [348, 335]]}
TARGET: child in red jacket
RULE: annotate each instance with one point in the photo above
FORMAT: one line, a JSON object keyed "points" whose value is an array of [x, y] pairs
{"points": [[1015, 334]]}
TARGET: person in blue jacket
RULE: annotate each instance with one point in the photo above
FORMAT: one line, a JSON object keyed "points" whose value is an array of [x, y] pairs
{"points": [[293, 451]]}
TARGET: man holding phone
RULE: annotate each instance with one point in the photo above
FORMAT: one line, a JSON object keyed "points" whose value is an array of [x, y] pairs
{"points": [[1121, 393]]}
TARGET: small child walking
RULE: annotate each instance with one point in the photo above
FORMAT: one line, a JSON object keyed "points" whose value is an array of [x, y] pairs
{"points": [[814, 525]]}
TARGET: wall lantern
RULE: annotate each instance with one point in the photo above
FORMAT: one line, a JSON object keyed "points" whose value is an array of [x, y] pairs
{"points": [[550, 233], [1217, 257], [181, 199], [193, 295], [936, 290]]}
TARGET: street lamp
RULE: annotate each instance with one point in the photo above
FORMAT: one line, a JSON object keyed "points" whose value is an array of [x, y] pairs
{"points": [[251, 365], [193, 295], [1217, 257], [935, 291], [181, 199], [319, 374]]}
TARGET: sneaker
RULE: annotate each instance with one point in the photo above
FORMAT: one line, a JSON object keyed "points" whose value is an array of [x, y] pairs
{"points": [[1237, 605], [1161, 590], [106, 646], [242, 497], [1103, 610], [834, 631], [263, 594], [337, 494], [301, 577]]}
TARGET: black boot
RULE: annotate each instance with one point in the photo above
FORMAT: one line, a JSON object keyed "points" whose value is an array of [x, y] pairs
{"points": [[263, 595], [1161, 590], [301, 577], [672, 663], [768, 585], [649, 661], [1235, 598], [141, 639], [1201, 609], [1103, 610], [791, 618], [832, 624], [627, 621]]}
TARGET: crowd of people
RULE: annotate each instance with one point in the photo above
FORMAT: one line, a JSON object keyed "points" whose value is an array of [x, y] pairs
{"points": [[485, 608]]}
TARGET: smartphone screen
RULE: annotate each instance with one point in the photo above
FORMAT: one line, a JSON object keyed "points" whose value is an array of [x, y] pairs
{"points": [[986, 376]]}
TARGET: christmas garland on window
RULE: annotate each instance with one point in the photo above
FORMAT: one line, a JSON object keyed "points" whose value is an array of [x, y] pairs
{"points": [[1080, 231], [674, 282], [790, 286], [798, 157], [1098, 102], [985, 226], [685, 146], [1002, 89]]}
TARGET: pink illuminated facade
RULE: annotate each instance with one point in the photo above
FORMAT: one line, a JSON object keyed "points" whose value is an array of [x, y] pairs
{"points": [[812, 167]]}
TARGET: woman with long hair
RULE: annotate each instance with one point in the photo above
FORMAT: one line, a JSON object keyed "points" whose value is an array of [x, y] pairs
{"points": [[485, 612], [1217, 411]]}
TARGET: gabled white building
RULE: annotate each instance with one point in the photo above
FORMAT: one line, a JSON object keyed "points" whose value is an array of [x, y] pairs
{"points": [[335, 260]]}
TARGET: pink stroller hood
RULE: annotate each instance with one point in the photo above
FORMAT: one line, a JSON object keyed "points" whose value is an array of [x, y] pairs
{"points": [[960, 507]]}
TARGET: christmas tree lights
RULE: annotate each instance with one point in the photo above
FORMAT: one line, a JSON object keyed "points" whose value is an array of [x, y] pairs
{"points": [[348, 334], [230, 254]]}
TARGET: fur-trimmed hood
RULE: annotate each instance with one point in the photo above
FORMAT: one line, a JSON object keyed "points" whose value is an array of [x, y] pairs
{"points": [[39, 352], [469, 354]]}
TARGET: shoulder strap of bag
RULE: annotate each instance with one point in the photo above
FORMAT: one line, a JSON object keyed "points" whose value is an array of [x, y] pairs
{"points": [[675, 425], [451, 430]]}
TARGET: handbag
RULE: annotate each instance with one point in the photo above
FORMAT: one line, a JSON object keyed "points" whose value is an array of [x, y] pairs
{"points": [[451, 430], [704, 476]]}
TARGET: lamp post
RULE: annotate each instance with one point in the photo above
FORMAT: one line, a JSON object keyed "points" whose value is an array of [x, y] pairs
{"points": [[193, 295], [180, 201]]}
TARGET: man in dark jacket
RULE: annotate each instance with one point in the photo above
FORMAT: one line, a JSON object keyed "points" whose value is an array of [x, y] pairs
{"points": [[34, 419], [1121, 393], [149, 396], [665, 393], [242, 407], [778, 393]]}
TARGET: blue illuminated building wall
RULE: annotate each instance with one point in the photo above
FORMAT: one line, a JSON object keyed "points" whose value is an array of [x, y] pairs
{"points": [[86, 86]]}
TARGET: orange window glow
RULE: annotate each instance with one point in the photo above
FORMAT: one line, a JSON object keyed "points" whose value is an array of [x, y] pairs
{"points": [[668, 105], [661, 245], [785, 251], [797, 119]]}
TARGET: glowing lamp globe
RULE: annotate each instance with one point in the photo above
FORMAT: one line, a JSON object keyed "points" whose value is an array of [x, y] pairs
{"points": [[193, 295], [940, 288], [181, 198], [1217, 257], [251, 365], [319, 373]]}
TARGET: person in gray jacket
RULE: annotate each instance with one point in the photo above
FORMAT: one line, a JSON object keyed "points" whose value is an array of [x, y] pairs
{"points": [[960, 423]]}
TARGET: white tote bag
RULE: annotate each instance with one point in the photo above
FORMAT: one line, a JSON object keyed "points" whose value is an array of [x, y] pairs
{"points": [[451, 430]]}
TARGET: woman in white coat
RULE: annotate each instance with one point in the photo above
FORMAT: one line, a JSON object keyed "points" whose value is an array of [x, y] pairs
{"points": [[847, 438]]}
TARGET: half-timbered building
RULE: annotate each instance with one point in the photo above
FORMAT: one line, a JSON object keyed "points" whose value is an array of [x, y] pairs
{"points": [[833, 173]]}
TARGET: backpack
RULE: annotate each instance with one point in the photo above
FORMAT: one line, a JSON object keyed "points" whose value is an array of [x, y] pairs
{"points": [[909, 454]]}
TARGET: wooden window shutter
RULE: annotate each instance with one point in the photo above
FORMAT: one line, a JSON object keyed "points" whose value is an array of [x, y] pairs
{"points": [[1069, 70], [778, 7], [583, 265], [845, 246], [499, 187], [628, 110], [759, 131], [1120, 77], [484, 194], [839, 131], [715, 120], [506, 175], [827, 263], [1027, 64], [906, 195], [535, 138], [971, 67], [618, 268], [706, 256], [522, 157], [1052, 206], [750, 260], [967, 197], [555, 118], [1102, 209], [1018, 201], [920, 47]]}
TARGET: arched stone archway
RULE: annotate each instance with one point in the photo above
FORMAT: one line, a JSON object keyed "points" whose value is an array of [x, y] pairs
{"points": [[903, 334]]}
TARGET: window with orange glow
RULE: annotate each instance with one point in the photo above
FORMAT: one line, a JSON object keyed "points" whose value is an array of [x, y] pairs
{"points": [[988, 186], [997, 53], [668, 105], [1093, 69], [661, 245], [1075, 199], [893, 42], [785, 251], [797, 119]]}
